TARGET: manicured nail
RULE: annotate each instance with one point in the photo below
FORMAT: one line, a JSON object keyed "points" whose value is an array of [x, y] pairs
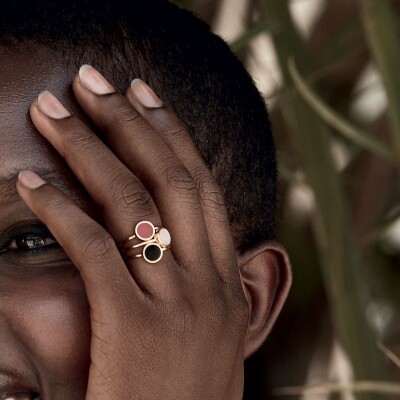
{"points": [[145, 94], [94, 81], [49, 105], [30, 179]]}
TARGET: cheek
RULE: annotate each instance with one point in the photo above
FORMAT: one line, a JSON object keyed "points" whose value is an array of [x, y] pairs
{"points": [[50, 317]]}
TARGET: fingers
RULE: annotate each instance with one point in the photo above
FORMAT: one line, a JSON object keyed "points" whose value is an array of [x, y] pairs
{"points": [[122, 198], [88, 245], [142, 180], [110, 183], [174, 133], [144, 152]]}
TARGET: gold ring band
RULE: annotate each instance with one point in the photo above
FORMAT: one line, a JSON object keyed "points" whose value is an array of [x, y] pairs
{"points": [[154, 240]]}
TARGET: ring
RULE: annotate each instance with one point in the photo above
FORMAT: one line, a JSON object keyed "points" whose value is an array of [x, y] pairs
{"points": [[154, 240]]}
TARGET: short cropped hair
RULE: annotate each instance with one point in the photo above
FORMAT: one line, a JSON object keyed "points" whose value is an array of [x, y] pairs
{"points": [[190, 68]]}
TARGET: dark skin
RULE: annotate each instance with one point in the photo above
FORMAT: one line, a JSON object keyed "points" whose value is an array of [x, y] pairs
{"points": [[80, 321]]}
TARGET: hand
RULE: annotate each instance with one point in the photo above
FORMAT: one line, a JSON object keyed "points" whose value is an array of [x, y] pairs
{"points": [[171, 330]]}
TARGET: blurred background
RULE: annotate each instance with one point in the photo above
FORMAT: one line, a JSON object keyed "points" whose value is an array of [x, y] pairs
{"points": [[330, 74]]}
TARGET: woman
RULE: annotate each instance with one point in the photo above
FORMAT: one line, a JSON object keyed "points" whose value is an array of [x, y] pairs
{"points": [[97, 186]]}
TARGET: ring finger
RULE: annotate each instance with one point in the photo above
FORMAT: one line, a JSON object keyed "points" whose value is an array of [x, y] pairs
{"points": [[142, 149]]}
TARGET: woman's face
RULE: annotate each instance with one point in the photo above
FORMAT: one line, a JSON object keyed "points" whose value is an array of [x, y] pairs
{"points": [[44, 314]]}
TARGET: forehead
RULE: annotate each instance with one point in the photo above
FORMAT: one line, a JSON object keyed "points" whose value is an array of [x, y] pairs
{"points": [[24, 73]]}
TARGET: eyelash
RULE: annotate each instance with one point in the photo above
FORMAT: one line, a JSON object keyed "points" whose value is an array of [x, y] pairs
{"points": [[5, 396], [13, 237]]}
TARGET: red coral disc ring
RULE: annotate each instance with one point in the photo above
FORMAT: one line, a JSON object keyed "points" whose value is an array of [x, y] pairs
{"points": [[154, 241]]}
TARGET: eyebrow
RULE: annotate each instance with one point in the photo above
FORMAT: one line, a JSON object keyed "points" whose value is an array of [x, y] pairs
{"points": [[8, 190]]}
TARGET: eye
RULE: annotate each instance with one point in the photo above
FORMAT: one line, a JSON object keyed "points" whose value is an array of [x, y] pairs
{"points": [[19, 396], [27, 238]]}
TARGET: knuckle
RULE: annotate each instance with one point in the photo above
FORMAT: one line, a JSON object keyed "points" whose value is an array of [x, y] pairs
{"points": [[213, 198], [124, 116], [211, 194], [214, 202], [209, 190], [174, 131], [180, 180], [129, 193], [56, 203], [96, 245], [172, 128], [78, 135]]}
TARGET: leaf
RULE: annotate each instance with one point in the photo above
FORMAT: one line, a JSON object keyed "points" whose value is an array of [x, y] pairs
{"points": [[333, 119], [381, 31], [390, 355], [243, 40]]}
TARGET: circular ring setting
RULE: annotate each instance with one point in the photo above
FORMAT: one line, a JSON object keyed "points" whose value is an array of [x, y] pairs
{"points": [[145, 230], [154, 240]]}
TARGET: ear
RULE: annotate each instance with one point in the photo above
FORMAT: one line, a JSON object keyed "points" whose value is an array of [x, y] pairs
{"points": [[266, 279]]}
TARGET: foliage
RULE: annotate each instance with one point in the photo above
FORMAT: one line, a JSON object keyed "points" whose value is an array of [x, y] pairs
{"points": [[344, 245]]}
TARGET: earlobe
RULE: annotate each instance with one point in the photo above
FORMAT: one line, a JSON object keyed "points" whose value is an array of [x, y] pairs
{"points": [[266, 278]]}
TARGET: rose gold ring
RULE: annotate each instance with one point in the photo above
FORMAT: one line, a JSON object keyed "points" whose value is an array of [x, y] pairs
{"points": [[154, 240]]}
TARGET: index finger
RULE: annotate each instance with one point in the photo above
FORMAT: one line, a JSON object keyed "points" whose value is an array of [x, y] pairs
{"points": [[91, 249]]}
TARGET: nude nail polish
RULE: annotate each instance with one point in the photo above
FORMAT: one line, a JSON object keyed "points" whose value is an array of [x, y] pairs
{"points": [[30, 179], [145, 95], [92, 80], [48, 104]]}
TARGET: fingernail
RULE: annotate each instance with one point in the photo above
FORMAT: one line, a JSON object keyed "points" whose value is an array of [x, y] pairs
{"points": [[94, 81], [145, 94], [30, 179], [49, 105]]}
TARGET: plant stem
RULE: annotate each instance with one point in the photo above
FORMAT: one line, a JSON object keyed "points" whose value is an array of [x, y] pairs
{"points": [[335, 120], [340, 259], [381, 33]]}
